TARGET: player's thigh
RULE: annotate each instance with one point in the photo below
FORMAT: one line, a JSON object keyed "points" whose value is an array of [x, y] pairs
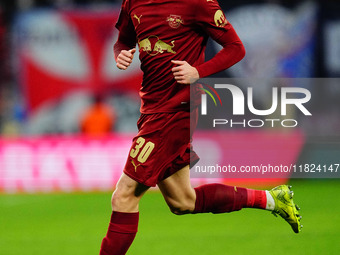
{"points": [[178, 192], [127, 195]]}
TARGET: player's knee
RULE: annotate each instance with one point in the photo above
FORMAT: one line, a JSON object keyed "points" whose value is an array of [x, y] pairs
{"points": [[117, 200], [127, 195], [123, 200]]}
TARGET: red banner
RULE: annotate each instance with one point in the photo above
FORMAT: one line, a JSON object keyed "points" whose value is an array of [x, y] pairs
{"points": [[64, 51]]}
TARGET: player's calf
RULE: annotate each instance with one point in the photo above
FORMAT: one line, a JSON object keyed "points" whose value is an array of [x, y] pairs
{"points": [[183, 206], [219, 198]]}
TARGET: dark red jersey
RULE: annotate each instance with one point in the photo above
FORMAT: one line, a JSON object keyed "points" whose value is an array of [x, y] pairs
{"points": [[168, 30]]}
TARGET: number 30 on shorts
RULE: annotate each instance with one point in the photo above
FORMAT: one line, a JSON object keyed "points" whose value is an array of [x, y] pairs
{"points": [[143, 151]]}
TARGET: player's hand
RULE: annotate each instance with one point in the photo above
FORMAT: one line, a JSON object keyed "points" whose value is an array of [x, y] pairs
{"points": [[124, 58], [184, 73]]}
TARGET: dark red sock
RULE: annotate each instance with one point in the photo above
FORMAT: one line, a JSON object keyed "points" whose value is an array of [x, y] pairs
{"points": [[219, 198], [122, 230]]}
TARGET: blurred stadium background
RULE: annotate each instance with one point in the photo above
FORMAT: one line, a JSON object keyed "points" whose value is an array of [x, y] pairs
{"points": [[57, 170]]}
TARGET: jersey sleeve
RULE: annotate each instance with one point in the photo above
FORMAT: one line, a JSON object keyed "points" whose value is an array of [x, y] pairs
{"points": [[211, 19], [127, 35], [124, 20]]}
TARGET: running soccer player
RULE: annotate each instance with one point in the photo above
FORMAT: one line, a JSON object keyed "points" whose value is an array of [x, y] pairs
{"points": [[172, 37]]}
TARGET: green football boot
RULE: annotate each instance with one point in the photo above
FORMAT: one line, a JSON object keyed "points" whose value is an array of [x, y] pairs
{"points": [[285, 207]]}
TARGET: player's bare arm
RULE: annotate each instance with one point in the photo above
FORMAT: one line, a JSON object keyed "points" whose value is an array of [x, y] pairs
{"points": [[124, 58], [184, 73]]}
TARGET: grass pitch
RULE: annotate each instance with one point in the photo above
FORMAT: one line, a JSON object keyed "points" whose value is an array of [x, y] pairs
{"points": [[74, 224]]}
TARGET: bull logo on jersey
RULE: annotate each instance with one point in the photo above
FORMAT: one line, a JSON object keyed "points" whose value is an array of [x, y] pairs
{"points": [[145, 45], [153, 46], [220, 19], [161, 46], [175, 21]]}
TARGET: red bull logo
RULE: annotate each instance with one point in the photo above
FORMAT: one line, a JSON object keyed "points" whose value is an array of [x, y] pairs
{"points": [[153, 46]]}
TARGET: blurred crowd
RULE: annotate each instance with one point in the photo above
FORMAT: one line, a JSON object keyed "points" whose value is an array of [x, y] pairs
{"points": [[13, 115]]}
